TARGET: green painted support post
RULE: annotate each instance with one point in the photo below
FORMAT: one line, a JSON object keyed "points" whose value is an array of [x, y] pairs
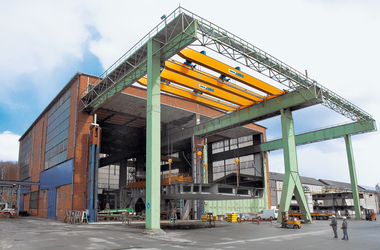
{"points": [[354, 181], [265, 195], [205, 170], [292, 182], [153, 138]]}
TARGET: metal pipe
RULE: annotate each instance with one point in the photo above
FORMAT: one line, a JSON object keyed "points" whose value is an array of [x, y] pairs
{"points": [[91, 207], [18, 199], [96, 180]]}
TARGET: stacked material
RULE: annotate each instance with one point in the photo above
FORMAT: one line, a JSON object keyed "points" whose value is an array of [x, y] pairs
{"points": [[232, 217]]}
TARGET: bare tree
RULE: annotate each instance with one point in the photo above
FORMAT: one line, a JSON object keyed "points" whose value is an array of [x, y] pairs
{"points": [[8, 171]]}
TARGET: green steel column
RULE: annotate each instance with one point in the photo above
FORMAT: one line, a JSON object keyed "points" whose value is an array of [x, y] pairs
{"points": [[205, 171], [153, 140], [292, 182], [354, 181], [265, 195]]}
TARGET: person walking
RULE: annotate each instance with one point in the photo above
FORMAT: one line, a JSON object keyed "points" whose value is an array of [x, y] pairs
{"points": [[344, 227], [334, 225]]}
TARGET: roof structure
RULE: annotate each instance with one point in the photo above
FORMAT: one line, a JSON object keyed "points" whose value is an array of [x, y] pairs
{"points": [[337, 184], [318, 182], [305, 180]]}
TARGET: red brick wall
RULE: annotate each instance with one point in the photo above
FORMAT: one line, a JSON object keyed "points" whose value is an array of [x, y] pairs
{"points": [[83, 124], [63, 200], [43, 203], [26, 202]]}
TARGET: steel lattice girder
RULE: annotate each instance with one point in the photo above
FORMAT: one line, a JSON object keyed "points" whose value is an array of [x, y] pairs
{"points": [[237, 49], [135, 66], [324, 134]]}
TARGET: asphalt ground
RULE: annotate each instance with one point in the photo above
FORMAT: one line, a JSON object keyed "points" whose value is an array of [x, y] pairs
{"points": [[36, 233]]}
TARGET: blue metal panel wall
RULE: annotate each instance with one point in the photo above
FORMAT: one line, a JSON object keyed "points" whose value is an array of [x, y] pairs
{"points": [[52, 200], [21, 202], [57, 176]]}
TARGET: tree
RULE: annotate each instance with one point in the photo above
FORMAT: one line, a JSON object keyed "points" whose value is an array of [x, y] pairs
{"points": [[8, 171]]}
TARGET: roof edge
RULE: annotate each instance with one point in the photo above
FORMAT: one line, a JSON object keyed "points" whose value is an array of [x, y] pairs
{"points": [[64, 89]]}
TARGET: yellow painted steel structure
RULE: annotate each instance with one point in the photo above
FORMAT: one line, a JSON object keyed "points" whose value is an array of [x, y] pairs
{"points": [[181, 92], [226, 70], [212, 80], [204, 88]]}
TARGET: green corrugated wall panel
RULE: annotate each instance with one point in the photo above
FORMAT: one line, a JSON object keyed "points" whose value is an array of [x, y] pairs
{"points": [[240, 206]]}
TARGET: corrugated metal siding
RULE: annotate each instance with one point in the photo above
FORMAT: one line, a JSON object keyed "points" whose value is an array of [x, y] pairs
{"points": [[57, 176], [52, 201], [240, 206]]}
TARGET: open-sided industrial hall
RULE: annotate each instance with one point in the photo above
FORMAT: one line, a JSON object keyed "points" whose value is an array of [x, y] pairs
{"points": [[176, 114]]}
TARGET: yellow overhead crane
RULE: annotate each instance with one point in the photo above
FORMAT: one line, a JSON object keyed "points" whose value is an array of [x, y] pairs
{"points": [[204, 88], [197, 83], [226, 70], [212, 80], [181, 92]]}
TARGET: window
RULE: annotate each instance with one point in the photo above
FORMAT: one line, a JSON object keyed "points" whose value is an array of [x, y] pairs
{"points": [[33, 201], [57, 131], [25, 155]]}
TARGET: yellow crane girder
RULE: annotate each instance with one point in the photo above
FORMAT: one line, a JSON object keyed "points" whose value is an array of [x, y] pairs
{"points": [[204, 88], [226, 70], [204, 77], [181, 92]]}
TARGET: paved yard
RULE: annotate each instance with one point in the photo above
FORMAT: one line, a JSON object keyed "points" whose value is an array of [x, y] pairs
{"points": [[35, 233]]}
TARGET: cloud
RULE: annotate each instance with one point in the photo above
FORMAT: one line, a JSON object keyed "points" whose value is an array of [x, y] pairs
{"points": [[37, 38], [38, 35], [9, 146], [328, 160], [336, 41]]}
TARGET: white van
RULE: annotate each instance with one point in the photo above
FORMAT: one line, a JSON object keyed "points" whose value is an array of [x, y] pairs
{"points": [[267, 214]]}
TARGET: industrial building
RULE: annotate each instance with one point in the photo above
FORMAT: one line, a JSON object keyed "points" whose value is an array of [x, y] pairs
{"points": [[175, 127]]}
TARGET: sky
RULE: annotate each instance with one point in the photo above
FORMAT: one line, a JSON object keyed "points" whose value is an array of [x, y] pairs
{"points": [[44, 43]]}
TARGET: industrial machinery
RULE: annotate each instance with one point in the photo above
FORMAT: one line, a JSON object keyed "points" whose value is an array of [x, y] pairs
{"points": [[320, 215], [369, 214], [115, 214], [291, 219], [5, 211]]}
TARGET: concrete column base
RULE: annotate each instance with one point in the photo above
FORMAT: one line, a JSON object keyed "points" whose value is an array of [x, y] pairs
{"points": [[153, 232]]}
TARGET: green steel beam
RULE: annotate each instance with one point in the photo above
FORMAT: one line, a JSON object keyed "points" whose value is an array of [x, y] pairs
{"points": [[153, 138], [95, 98], [325, 134], [294, 100], [292, 182], [354, 181]]}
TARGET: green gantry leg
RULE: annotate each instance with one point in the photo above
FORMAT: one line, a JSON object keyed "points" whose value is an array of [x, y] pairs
{"points": [[265, 195], [205, 170], [153, 138], [292, 182], [354, 181]]}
